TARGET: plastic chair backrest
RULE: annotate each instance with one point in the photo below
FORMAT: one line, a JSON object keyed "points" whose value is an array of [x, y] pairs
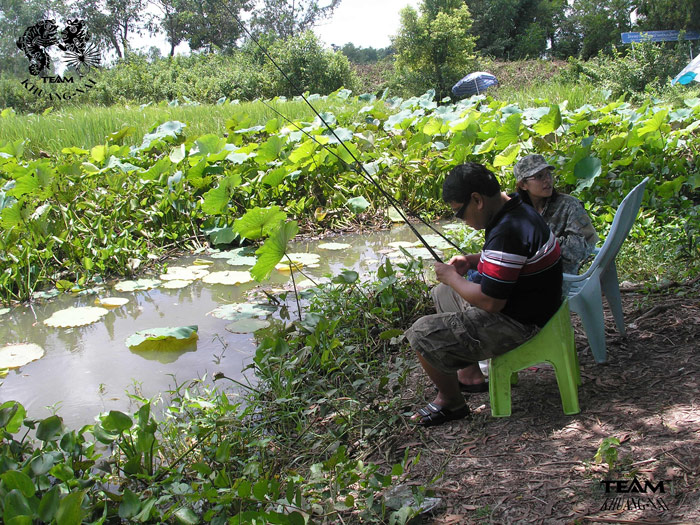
{"points": [[622, 224]]}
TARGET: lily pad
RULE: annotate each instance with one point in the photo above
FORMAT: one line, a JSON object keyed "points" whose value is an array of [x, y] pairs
{"points": [[16, 355], [111, 302], [334, 246], [394, 215], [228, 277], [286, 266], [236, 311], [4, 311], [140, 284], [242, 260], [176, 284], [303, 258], [182, 273], [247, 325], [49, 294], [236, 252], [163, 339], [76, 316], [401, 244], [435, 241]]}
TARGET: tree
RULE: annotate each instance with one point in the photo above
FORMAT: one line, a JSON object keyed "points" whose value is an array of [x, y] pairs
{"points": [[512, 29], [112, 22], [434, 48], [593, 26], [172, 21], [213, 24], [286, 18], [363, 55], [668, 14]]}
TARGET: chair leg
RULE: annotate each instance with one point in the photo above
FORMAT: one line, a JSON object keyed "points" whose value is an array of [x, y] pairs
{"points": [[590, 309], [611, 290], [499, 390], [568, 390]]}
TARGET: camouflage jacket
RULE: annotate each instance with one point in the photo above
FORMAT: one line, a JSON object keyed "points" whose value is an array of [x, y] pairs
{"points": [[572, 227]]}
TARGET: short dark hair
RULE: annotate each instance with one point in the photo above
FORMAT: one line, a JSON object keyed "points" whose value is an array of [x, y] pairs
{"points": [[466, 179]]}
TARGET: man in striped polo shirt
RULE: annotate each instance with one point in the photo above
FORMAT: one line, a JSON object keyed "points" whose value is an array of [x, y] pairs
{"points": [[513, 290]]}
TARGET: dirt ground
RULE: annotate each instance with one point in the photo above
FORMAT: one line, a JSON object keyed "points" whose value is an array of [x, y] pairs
{"points": [[537, 466]]}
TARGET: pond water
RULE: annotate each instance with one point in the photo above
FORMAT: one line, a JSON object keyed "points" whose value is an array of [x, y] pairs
{"points": [[89, 369]]}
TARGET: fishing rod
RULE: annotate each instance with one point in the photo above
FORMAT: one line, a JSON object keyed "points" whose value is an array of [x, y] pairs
{"points": [[387, 195], [340, 141]]}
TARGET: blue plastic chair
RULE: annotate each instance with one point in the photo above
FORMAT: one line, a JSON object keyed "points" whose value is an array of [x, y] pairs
{"points": [[586, 290]]}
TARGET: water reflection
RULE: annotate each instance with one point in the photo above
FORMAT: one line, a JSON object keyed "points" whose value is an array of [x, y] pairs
{"points": [[89, 369]]}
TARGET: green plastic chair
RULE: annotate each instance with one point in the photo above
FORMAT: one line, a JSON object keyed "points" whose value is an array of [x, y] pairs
{"points": [[553, 344]]}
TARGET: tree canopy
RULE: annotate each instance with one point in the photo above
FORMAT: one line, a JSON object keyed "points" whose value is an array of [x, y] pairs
{"points": [[434, 48]]}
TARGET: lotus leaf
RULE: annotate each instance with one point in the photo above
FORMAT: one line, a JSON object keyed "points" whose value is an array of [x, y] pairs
{"points": [[305, 284], [50, 294], [304, 258], [435, 241], [270, 253], [394, 215], [241, 260], [167, 338], [232, 254], [235, 311], [111, 302], [248, 325], [140, 284], [258, 222], [4, 311], [76, 316], [16, 355], [181, 273], [176, 284], [228, 277], [334, 246], [358, 204], [286, 266]]}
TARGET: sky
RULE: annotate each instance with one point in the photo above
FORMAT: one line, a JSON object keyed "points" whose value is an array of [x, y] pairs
{"points": [[365, 23]]}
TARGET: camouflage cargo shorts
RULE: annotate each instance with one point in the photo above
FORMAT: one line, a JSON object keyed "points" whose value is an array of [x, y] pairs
{"points": [[460, 335]]}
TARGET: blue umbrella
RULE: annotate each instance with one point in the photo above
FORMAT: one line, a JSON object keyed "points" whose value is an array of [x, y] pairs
{"points": [[474, 84]]}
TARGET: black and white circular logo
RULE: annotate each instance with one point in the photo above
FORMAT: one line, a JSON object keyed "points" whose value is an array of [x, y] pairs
{"points": [[68, 50]]}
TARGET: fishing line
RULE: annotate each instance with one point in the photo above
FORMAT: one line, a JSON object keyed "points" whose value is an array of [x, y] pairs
{"points": [[387, 195], [301, 94]]}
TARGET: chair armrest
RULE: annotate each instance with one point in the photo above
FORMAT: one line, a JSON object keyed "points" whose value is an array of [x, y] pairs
{"points": [[575, 278]]}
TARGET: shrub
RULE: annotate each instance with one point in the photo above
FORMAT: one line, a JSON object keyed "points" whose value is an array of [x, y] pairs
{"points": [[308, 66], [644, 68]]}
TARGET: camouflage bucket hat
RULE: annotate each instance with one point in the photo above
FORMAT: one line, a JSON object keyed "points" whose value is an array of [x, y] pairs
{"points": [[529, 166]]}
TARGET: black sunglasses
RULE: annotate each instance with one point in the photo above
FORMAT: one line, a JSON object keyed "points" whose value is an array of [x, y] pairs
{"points": [[458, 214]]}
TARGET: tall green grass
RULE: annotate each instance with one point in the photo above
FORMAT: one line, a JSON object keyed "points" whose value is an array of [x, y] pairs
{"points": [[88, 126], [552, 92]]}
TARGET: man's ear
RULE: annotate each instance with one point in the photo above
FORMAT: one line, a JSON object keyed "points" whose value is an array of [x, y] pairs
{"points": [[478, 199]]}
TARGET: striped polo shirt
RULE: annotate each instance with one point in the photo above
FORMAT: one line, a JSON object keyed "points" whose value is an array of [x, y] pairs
{"points": [[521, 262]]}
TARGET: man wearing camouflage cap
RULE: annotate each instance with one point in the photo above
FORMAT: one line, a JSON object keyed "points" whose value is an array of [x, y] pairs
{"points": [[565, 215]]}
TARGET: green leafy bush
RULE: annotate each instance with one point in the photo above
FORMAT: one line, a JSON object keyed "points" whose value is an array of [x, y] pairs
{"points": [[642, 69], [310, 67]]}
